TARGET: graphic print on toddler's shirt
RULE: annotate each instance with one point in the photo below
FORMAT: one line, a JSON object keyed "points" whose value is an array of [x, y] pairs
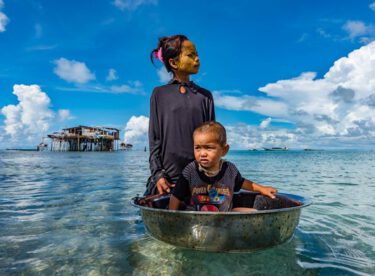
{"points": [[210, 198]]}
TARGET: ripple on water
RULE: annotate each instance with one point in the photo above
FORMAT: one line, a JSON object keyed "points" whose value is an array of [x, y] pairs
{"points": [[70, 213]]}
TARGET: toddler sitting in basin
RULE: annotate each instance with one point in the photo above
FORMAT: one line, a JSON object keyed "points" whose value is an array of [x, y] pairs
{"points": [[209, 182]]}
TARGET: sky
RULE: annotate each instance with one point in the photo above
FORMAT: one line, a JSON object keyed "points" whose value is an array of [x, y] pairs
{"points": [[294, 73]]}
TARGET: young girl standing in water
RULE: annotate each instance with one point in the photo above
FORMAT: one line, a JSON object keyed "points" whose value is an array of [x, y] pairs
{"points": [[176, 109]]}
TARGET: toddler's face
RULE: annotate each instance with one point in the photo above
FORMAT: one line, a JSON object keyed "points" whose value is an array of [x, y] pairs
{"points": [[188, 61], [207, 151]]}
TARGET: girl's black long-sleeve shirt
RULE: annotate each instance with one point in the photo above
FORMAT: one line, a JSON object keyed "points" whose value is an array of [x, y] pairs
{"points": [[173, 118]]}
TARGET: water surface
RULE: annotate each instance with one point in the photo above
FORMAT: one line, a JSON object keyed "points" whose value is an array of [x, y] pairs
{"points": [[70, 213]]}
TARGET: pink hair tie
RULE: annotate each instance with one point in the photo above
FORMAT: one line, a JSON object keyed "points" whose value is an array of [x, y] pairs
{"points": [[158, 55]]}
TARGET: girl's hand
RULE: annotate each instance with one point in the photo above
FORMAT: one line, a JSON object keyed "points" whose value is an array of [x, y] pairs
{"points": [[163, 186], [268, 191]]}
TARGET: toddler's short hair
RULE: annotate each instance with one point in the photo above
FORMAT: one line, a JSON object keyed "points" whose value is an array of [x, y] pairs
{"points": [[213, 127]]}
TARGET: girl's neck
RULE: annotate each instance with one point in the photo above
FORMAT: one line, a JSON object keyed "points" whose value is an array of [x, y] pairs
{"points": [[183, 78]]}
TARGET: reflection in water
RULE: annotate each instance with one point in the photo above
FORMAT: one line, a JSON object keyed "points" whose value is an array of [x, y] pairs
{"points": [[70, 213], [149, 255]]}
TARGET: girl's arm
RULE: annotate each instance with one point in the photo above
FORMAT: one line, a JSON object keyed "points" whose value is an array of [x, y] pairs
{"points": [[156, 167], [154, 141], [255, 187]]}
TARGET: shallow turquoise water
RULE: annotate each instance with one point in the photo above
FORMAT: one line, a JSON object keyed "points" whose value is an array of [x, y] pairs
{"points": [[70, 213]]}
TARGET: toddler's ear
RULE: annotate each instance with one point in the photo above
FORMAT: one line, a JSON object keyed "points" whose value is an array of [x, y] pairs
{"points": [[226, 149]]}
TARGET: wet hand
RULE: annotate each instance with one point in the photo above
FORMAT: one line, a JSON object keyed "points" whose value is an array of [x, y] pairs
{"points": [[163, 186], [268, 191]]}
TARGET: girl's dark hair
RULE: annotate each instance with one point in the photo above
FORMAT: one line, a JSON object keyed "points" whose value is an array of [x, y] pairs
{"points": [[170, 48]]}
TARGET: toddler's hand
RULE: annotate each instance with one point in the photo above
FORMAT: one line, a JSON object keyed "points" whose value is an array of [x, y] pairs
{"points": [[268, 191], [163, 186]]}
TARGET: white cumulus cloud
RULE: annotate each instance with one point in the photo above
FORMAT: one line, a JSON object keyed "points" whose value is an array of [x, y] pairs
{"points": [[358, 29], [338, 106], [242, 136], [64, 114], [112, 75], [26, 122], [265, 123], [131, 87], [132, 5], [136, 130], [263, 106], [355, 28], [3, 18], [163, 75], [134, 87], [73, 71], [372, 6]]}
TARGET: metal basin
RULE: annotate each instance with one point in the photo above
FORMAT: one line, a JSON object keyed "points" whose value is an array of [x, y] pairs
{"points": [[226, 231]]}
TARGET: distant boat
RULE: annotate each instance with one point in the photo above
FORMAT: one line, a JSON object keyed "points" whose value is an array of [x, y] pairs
{"points": [[276, 149], [124, 146], [42, 147]]}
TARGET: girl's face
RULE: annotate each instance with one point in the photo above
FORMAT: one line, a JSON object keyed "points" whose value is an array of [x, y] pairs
{"points": [[188, 62]]}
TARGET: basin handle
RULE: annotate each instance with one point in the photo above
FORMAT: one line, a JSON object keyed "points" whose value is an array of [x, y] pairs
{"points": [[147, 200]]}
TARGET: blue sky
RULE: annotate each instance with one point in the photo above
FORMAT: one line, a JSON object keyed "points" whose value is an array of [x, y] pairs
{"points": [[283, 73]]}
